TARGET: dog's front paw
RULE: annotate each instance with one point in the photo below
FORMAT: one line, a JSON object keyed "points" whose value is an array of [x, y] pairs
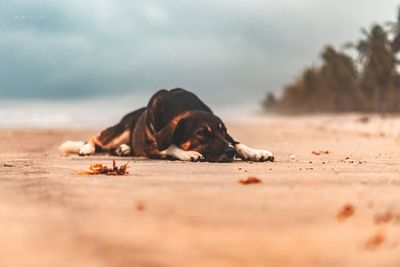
{"points": [[87, 149], [261, 155], [178, 153], [190, 156], [247, 153], [123, 150]]}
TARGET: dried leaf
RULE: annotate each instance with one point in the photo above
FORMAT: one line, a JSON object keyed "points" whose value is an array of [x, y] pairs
{"points": [[250, 180], [98, 168]]}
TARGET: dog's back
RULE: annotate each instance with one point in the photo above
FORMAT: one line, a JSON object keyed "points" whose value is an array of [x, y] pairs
{"points": [[167, 104]]}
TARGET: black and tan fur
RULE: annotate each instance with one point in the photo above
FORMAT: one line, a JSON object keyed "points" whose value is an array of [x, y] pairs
{"points": [[175, 124]]}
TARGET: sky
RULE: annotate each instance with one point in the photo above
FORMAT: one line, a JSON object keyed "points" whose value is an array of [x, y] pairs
{"points": [[226, 51]]}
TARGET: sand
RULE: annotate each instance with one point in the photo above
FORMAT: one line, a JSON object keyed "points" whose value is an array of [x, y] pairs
{"points": [[335, 209]]}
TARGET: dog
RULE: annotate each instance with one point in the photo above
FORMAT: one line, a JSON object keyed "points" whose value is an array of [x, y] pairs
{"points": [[176, 124]]}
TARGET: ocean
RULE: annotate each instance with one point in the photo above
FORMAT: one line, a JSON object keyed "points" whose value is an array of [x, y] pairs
{"points": [[92, 113]]}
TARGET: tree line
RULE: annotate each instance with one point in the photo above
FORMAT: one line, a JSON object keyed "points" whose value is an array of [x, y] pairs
{"points": [[368, 83]]}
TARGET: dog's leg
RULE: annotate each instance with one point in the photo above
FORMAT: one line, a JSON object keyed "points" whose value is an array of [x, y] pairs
{"points": [[246, 153], [89, 148], [71, 147], [113, 139], [178, 153], [123, 150]]}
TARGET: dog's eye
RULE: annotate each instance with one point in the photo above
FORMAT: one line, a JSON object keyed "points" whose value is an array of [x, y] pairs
{"points": [[203, 132], [222, 127]]}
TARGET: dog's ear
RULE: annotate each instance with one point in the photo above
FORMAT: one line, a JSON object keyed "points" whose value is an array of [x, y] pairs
{"points": [[172, 132], [226, 135]]}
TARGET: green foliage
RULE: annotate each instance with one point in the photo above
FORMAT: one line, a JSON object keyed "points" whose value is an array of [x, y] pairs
{"points": [[337, 85]]}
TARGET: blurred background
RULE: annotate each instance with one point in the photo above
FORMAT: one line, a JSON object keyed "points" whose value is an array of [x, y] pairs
{"points": [[87, 63]]}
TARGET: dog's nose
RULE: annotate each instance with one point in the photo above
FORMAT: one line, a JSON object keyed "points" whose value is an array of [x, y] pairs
{"points": [[230, 151]]}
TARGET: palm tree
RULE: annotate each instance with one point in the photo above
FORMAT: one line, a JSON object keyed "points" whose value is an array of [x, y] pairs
{"points": [[340, 84], [379, 68], [394, 29], [270, 101], [339, 75]]}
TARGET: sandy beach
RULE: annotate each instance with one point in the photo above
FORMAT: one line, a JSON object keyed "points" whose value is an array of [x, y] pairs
{"points": [[331, 198]]}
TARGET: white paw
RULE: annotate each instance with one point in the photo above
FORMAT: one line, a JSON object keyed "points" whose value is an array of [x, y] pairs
{"points": [[123, 150], [71, 147], [178, 153], [261, 155], [87, 149], [189, 156], [247, 153]]}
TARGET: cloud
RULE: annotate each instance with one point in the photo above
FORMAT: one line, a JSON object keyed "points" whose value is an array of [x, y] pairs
{"points": [[225, 50]]}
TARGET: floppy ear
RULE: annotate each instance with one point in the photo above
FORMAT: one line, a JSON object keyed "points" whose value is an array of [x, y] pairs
{"points": [[170, 133], [227, 136]]}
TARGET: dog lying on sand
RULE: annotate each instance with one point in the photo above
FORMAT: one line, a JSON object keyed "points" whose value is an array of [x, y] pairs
{"points": [[175, 124]]}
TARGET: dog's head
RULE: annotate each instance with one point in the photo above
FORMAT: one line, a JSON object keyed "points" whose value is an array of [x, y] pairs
{"points": [[198, 131]]}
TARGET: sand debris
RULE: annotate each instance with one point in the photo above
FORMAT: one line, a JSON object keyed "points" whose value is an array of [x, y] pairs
{"points": [[387, 217], [364, 119], [8, 165], [345, 212], [375, 241], [320, 152], [140, 206], [382, 218], [250, 180], [98, 168]]}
